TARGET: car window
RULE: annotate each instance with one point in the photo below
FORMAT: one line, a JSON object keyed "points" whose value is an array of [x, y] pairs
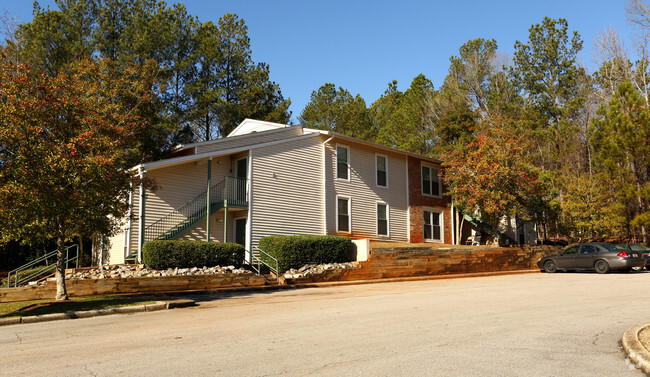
{"points": [[611, 247], [571, 250], [587, 249], [638, 248]]}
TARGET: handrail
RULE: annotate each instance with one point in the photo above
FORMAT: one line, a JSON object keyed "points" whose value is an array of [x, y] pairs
{"points": [[43, 271], [232, 189], [271, 262]]}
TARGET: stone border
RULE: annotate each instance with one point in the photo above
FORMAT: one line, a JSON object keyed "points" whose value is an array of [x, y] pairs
{"points": [[637, 355], [159, 305]]}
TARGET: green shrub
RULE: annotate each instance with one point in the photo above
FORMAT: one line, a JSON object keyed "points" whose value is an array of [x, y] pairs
{"points": [[161, 255], [297, 251]]}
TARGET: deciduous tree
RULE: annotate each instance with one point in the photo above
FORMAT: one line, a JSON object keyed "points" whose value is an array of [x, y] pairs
{"points": [[66, 145]]}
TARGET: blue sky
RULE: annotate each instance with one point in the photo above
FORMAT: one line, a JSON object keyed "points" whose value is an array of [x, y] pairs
{"points": [[363, 45]]}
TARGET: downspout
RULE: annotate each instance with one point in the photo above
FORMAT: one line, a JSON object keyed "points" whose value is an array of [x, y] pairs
{"points": [[324, 187], [408, 203], [143, 197], [207, 200], [249, 224]]}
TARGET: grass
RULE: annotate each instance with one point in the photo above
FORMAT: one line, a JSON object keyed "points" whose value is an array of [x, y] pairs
{"points": [[39, 307]]}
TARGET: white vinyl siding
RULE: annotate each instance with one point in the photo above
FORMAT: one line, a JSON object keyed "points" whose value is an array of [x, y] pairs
{"points": [[365, 193], [116, 248], [286, 189], [180, 184]]}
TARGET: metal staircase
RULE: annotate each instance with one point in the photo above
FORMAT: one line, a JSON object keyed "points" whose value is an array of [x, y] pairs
{"points": [[232, 192], [36, 271]]}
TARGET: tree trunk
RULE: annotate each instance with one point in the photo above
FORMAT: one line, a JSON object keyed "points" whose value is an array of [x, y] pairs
{"points": [[61, 292]]}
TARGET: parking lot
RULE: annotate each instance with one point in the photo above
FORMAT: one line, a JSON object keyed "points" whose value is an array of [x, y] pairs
{"points": [[517, 325]]}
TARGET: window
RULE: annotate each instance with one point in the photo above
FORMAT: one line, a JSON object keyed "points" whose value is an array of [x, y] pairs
{"points": [[430, 181], [382, 170], [587, 249], [432, 225], [343, 214], [343, 162], [382, 219], [571, 250]]}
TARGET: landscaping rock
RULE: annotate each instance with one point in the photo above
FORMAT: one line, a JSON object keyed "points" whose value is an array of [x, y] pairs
{"points": [[314, 269], [132, 271]]}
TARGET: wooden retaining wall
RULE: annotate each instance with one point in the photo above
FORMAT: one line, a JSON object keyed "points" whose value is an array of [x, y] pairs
{"points": [[89, 287], [409, 261]]}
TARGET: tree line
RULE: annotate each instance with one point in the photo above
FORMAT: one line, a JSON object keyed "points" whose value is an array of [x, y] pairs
{"points": [[207, 80], [532, 135]]}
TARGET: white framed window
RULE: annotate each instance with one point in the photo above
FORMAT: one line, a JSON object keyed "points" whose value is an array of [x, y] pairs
{"points": [[383, 219], [430, 181], [343, 162], [381, 170], [433, 225], [343, 216]]}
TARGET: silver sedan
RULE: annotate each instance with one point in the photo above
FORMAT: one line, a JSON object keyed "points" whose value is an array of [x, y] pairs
{"points": [[602, 257]]}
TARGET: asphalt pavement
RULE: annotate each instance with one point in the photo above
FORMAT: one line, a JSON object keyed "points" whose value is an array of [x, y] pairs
{"points": [[516, 325]]}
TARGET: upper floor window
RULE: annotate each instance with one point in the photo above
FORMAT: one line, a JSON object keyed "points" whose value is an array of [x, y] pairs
{"points": [[381, 163], [343, 162], [430, 181]]}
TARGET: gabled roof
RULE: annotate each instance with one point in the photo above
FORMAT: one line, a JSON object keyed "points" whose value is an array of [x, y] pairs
{"points": [[249, 126], [252, 129]]}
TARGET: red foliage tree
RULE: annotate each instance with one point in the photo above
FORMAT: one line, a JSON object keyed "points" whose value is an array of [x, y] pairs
{"points": [[66, 146], [493, 174]]}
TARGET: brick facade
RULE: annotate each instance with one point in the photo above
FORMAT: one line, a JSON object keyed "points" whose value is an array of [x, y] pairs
{"points": [[417, 201]]}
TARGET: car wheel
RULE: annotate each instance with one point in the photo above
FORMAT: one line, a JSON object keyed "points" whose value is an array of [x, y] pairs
{"points": [[601, 266], [550, 267], [637, 268]]}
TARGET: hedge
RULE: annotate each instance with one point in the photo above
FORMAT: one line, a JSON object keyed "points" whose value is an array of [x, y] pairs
{"points": [[297, 251], [161, 255]]}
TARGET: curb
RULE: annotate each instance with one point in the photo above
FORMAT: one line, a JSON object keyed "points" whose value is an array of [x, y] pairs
{"points": [[635, 351], [159, 305]]}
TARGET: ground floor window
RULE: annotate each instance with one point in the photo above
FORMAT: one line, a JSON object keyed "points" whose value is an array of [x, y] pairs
{"points": [[432, 225], [343, 214], [382, 219]]}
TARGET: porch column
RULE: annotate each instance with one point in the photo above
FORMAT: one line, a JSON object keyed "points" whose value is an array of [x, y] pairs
{"points": [[141, 222], [225, 220], [207, 199]]}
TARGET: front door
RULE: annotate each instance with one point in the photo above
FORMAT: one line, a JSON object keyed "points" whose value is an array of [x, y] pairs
{"points": [[566, 259], [585, 257], [240, 231]]}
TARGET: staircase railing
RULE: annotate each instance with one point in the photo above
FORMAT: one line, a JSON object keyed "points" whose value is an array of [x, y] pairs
{"points": [[14, 280], [231, 189], [263, 258]]}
